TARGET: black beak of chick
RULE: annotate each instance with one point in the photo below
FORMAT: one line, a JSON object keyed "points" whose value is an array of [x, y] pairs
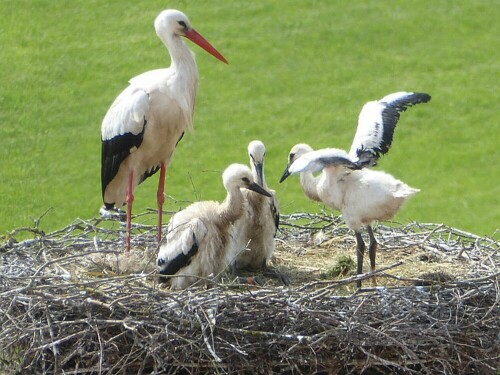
{"points": [[258, 189], [259, 167], [286, 173]]}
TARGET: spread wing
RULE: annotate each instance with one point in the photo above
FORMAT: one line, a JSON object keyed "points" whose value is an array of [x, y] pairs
{"points": [[316, 161], [122, 130], [376, 124], [180, 245]]}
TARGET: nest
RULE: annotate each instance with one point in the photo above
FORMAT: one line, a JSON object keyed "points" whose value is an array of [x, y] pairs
{"points": [[72, 303]]}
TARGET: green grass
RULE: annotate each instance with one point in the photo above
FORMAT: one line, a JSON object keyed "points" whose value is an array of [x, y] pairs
{"points": [[299, 71]]}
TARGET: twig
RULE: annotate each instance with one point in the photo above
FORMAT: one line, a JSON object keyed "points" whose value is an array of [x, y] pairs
{"points": [[60, 313]]}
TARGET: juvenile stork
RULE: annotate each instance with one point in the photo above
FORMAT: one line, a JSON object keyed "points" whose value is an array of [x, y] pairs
{"points": [[345, 184], [146, 121], [257, 228], [200, 239]]}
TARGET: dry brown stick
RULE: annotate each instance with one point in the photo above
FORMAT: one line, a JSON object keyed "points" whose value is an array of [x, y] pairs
{"points": [[350, 279]]}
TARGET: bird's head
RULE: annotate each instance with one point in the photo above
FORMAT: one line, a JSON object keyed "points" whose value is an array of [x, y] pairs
{"points": [[174, 22], [240, 176], [257, 153], [296, 152]]}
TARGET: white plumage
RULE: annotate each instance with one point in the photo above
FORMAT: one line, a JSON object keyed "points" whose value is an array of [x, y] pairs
{"points": [[257, 228], [308, 181], [200, 240], [146, 121], [362, 195]]}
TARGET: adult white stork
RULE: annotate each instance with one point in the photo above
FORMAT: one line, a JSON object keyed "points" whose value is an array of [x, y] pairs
{"points": [[362, 195], [257, 227], [200, 239], [146, 121]]}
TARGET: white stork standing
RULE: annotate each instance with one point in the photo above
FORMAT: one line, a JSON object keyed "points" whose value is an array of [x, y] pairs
{"points": [[362, 195], [146, 121], [200, 239], [257, 228]]}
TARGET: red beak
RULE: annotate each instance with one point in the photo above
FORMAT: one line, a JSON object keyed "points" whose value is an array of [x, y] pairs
{"points": [[195, 37]]}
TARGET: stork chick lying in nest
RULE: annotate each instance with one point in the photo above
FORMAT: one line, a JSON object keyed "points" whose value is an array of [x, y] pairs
{"points": [[200, 239]]}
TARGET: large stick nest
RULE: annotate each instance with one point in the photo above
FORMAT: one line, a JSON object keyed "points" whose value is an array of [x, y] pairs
{"points": [[72, 303]]}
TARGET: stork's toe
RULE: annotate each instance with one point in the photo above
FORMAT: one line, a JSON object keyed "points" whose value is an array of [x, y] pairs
{"points": [[113, 213]]}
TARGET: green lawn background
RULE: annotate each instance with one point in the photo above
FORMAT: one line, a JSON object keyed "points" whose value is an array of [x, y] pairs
{"points": [[299, 71]]}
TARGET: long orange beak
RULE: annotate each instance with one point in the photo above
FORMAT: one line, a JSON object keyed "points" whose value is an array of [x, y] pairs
{"points": [[196, 37]]}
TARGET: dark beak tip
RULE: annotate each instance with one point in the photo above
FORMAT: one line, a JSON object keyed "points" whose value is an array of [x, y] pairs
{"points": [[286, 173], [259, 189], [284, 177]]}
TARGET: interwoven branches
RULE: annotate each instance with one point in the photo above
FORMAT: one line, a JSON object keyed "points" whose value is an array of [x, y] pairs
{"points": [[59, 312]]}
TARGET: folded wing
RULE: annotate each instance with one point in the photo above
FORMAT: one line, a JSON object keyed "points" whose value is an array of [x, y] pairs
{"points": [[122, 130], [180, 245]]}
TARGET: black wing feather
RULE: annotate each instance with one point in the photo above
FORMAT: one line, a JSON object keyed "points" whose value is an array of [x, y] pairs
{"points": [[390, 117], [114, 152], [338, 160], [276, 216], [180, 261]]}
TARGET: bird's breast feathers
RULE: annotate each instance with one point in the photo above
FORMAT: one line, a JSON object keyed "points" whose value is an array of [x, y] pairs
{"points": [[169, 86]]}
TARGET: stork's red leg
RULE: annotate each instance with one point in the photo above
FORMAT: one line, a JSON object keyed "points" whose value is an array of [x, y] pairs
{"points": [[160, 196], [130, 201]]}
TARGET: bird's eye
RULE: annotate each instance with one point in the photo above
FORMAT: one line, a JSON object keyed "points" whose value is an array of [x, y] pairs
{"points": [[182, 23], [292, 156], [245, 180]]}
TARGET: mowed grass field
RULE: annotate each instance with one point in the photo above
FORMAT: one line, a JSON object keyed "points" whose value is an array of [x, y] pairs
{"points": [[299, 71]]}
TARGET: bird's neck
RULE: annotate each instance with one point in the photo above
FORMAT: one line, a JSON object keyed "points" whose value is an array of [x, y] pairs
{"points": [[232, 207], [182, 58], [184, 79], [309, 185]]}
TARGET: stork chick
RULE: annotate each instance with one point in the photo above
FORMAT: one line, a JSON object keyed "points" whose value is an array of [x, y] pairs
{"points": [[148, 119], [257, 228], [200, 238], [345, 184]]}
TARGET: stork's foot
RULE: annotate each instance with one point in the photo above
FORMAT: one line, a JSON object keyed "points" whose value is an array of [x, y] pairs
{"points": [[113, 213], [275, 274], [251, 280]]}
